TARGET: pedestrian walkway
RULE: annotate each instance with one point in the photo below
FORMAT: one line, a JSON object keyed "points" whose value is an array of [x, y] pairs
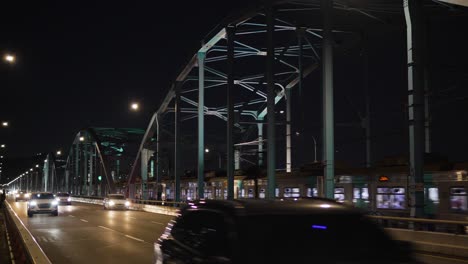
{"points": [[4, 251]]}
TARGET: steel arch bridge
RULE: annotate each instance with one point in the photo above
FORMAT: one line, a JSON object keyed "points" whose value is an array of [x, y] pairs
{"points": [[254, 64], [100, 160]]}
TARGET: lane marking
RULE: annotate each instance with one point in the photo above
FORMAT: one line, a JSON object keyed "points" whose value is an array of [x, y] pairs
{"points": [[107, 228], [157, 223], [134, 238], [84, 220]]}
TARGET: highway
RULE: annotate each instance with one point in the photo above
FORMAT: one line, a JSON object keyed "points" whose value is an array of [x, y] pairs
{"points": [[86, 233]]}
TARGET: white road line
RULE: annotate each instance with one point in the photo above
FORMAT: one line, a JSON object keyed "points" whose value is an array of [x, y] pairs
{"points": [[84, 220], [107, 228], [134, 238], [157, 223]]}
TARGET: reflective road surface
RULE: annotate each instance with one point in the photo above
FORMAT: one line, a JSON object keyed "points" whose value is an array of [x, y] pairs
{"points": [[86, 233]]}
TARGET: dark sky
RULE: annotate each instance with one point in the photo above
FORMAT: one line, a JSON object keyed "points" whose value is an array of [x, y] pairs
{"points": [[80, 64]]}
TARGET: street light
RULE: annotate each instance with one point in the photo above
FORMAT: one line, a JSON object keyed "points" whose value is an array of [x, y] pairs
{"points": [[59, 152], [5, 123], [81, 138], [207, 150], [2, 146], [9, 58], [134, 106]]}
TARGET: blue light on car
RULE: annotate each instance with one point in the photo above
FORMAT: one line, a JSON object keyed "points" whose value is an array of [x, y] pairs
{"points": [[319, 227]]}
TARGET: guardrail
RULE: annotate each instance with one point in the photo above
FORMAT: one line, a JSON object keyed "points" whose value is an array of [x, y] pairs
{"points": [[423, 224], [152, 206], [431, 236], [24, 247]]}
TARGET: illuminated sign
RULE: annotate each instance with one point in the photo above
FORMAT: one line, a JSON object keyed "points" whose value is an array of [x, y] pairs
{"points": [[383, 179]]}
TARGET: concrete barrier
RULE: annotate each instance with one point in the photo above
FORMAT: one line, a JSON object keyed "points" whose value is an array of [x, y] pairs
{"points": [[167, 210], [25, 248], [433, 242]]}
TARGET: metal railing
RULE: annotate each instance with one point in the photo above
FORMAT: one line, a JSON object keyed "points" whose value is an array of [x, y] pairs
{"points": [[423, 224]]}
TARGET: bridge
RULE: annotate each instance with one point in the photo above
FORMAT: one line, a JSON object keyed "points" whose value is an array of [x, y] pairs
{"points": [[242, 97]]}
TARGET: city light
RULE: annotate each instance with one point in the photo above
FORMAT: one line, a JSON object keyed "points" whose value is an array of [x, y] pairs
{"points": [[207, 150], [4, 123], [2, 146], [134, 106], [9, 58], [59, 152], [81, 138], [37, 165]]}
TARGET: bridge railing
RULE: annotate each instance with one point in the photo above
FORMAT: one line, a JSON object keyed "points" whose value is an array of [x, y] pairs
{"points": [[423, 224], [153, 206], [24, 247], [429, 236]]}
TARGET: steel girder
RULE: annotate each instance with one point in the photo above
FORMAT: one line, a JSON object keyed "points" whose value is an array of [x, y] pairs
{"points": [[99, 160]]}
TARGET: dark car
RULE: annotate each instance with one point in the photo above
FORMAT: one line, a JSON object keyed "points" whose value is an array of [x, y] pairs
{"points": [[63, 198], [276, 231]]}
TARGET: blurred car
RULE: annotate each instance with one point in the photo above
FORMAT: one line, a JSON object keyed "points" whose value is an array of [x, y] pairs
{"points": [[116, 201], [276, 231], [63, 198], [42, 203], [22, 196]]}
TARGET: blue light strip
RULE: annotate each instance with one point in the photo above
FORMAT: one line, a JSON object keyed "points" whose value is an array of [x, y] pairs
{"points": [[319, 227]]}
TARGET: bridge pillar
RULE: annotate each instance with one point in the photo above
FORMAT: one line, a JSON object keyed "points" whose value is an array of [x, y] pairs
{"points": [[260, 141], [201, 124], [328, 115], [177, 143], [271, 94], [415, 50], [230, 112]]}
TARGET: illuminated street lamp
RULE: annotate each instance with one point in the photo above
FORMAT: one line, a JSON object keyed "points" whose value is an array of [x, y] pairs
{"points": [[134, 106], [2, 146], [5, 124], [59, 152], [81, 138], [37, 165], [207, 150], [9, 58]]}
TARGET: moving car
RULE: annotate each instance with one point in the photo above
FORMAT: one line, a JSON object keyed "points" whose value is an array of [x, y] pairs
{"points": [[22, 196], [116, 201], [63, 198], [42, 203], [313, 230]]}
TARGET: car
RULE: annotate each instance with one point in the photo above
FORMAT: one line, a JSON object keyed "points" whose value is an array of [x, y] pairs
{"points": [[63, 198], [42, 203], [22, 196], [310, 230], [116, 201]]}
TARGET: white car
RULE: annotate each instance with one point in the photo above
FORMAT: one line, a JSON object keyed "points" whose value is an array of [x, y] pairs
{"points": [[42, 203], [116, 201]]}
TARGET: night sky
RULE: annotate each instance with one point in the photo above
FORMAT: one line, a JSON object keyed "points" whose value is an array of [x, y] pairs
{"points": [[81, 64]]}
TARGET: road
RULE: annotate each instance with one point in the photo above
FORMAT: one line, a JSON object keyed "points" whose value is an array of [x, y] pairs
{"points": [[85, 233]]}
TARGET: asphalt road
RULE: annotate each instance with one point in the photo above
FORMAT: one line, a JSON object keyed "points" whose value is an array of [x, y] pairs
{"points": [[85, 233]]}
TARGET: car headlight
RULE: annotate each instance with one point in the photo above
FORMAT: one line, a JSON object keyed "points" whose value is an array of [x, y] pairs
{"points": [[54, 202], [127, 203], [32, 203], [69, 199], [111, 203]]}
